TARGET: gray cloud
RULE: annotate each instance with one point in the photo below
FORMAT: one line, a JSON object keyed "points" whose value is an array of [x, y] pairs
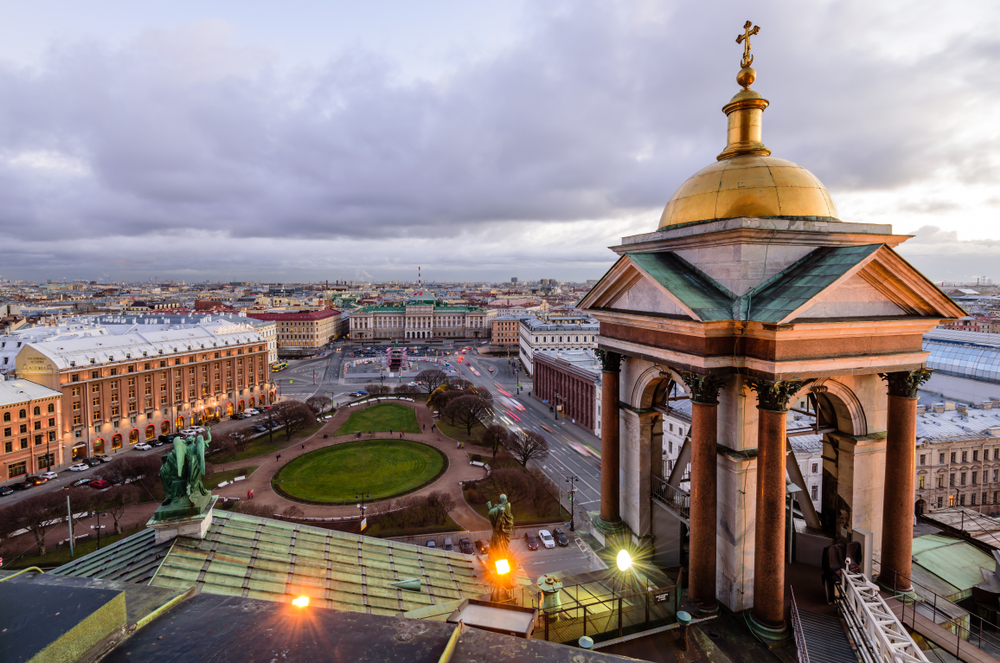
{"points": [[185, 153]]}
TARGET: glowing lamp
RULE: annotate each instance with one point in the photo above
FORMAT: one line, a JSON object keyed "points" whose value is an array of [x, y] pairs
{"points": [[503, 567], [301, 602], [624, 560]]}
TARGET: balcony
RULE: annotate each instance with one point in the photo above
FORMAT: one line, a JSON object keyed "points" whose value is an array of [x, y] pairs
{"points": [[674, 499]]}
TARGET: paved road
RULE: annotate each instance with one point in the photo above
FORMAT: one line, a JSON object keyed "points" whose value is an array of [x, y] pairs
{"points": [[565, 439]]}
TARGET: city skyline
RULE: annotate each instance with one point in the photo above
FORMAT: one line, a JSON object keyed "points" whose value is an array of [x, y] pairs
{"points": [[339, 142]]}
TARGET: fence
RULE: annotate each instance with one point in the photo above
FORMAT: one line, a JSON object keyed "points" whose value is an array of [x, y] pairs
{"points": [[674, 499], [967, 627], [603, 618]]}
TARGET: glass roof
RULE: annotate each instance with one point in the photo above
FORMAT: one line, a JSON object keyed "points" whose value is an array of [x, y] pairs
{"points": [[963, 359]]}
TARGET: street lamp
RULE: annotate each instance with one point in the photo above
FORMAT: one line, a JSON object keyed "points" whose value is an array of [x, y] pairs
{"points": [[555, 400], [571, 480], [98, 527], [362, 507]]}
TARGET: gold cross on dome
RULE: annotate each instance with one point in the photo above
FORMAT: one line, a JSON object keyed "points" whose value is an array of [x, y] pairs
{"points": [[745, 37]]}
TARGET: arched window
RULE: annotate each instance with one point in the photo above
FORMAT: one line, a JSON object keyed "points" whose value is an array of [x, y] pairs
{"points": [[133, 436], [6, 416], [37, 410], [150, 432], [22, 414], [52, 408]]}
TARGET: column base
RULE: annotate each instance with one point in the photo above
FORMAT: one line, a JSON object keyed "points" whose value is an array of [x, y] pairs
{"points": [[608, 533], [770, 635], [887, 585], [705, 610]]}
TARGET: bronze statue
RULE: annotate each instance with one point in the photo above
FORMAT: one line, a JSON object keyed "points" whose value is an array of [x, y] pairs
{"points": [[502, 522], [184, 466]]}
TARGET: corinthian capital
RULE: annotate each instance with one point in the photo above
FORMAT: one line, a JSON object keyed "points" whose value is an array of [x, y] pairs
{"points": [[610, 361], [774, 395], [704, 388], [906, 383]]}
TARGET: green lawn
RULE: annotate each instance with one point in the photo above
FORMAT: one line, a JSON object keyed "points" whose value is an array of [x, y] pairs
{"points": [[213, 481], [262, 447], [449, 526], [59, 556], [458, 433], [381, 419], [382, 468]]}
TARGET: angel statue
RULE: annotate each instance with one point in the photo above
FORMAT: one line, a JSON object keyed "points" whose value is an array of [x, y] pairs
{"points": [[183, 468], [502, 522]]}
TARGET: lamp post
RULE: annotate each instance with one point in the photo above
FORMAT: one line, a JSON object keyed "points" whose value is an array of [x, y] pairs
{"points": [[98, 527], [571, 480], [555, 401], [362, 507]]}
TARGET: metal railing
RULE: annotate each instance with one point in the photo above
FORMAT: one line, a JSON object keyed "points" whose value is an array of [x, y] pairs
{"points": [[800, 638], [871, 619], [967, 627], [673, 498]]}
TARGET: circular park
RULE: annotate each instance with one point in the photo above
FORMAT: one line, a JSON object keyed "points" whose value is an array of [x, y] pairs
{"points": [[379, 468]]}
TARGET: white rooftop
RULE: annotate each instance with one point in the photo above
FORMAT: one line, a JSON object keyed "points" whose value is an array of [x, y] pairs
{"points": [[15, 392]]}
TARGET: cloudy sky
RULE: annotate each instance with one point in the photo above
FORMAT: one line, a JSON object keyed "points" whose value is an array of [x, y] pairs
{"points": [[482, 140]]}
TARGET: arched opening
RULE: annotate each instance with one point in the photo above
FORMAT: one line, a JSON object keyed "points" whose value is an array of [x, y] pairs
{"points": [[150, 432], [133, 436], [242, 406], [99, 446], [79, 451], [252, 402], [116, 441], [180, 422], [920, 507], [229, 409], [165, 427]]}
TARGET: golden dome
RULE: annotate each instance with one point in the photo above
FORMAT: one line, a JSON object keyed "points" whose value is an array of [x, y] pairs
{"points": [[749, 185], [746, 180]]}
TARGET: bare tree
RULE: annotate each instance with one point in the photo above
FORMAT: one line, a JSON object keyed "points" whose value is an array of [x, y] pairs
{"points": [[467, 411], [430, 379], [378, 389], [494, 437], [297, 417], [509, 481], [115, 500], [528, 446], [255, 509], [406, 389], [38, 514], [441, 503], [319, 404], [459, 383], [293, 511]]}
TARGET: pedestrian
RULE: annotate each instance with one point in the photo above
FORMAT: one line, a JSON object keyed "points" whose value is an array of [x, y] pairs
{"points": [[303, 445], [433, 427], [249, 493], [390, 431], [401, 435], [425, 428], [279, 457]]}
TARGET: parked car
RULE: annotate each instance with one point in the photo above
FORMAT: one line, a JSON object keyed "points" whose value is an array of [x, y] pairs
{"points": [[100, 484], [103, 458], [253, 412], [482, 547], [166, 439], [531, 540], [431, 544], [546, 538], [80, 482], [142, 446], [5, 490], [448, 545], [466, 546], [260, 429], [35, 480], [561, 539], [78, 467], [48, 476], [23, 485], [93, 462]]}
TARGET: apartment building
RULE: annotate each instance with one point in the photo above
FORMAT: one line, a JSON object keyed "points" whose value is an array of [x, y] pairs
{"points": [[958, 456], [29, 421], [554, 334], [303, 332], [124, 383], [505, 330]]}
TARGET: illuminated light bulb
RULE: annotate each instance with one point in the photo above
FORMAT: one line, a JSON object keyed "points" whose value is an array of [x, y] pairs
{"points": [[301, 602], [624, 560], [503, 567]]}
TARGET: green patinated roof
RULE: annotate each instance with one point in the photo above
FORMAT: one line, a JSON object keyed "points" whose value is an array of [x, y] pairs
{"points": [[952, 561], [772, 301], [278, 561], [708, 299], [777, 297]]}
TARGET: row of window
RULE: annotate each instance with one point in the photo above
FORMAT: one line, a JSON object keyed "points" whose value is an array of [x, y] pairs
{"points": [[131, 368], [40, 438], [965, 456], [961, 476], [972, 499], [23, 413]]}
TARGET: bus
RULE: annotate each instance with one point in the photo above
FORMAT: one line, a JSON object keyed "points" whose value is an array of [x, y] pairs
{"points": [[280, 366]]}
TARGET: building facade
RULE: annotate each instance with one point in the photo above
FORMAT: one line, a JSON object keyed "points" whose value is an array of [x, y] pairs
{"points": [[958, 457], [505, 331], [421, 317], [299, 333], [554, 335], [29, 421], [122, 384], [570, 380]]}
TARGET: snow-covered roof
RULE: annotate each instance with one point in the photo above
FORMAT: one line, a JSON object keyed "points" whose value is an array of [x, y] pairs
{"points": [[15, 392], [79, 344], [952, 424]]}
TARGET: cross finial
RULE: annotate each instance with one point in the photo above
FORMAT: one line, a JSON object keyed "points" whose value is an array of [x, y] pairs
{"points": [[745, 37]]}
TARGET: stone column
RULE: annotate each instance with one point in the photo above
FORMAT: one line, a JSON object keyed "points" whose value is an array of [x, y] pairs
{"points": [[768, 613], [897, 499], [610, 444], [704, 392]]}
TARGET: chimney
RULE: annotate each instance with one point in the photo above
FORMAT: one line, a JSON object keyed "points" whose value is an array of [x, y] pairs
{"points": [[949, 405], [938, 407], [963, 410], [921, 409], [986, 405]]}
